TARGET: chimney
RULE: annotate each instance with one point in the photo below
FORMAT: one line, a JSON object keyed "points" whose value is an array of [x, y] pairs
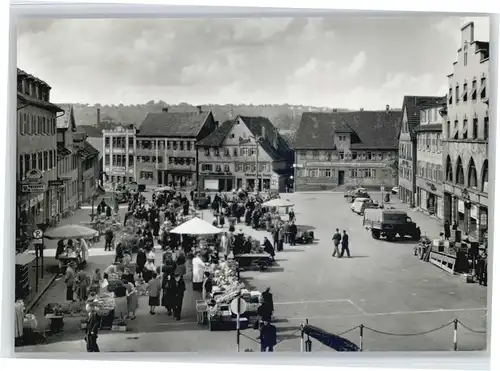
{"points": [[98, 121], [200, 109], [467, 33], [164, 109], [387, 108]]}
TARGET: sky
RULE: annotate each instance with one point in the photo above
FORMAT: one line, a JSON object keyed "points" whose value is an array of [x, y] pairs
{"points": [[340, 61]]}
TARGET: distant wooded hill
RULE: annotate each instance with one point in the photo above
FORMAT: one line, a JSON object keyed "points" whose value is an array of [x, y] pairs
{"points": [[285, 117]]}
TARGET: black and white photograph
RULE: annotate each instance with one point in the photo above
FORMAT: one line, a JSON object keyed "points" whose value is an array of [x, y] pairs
{"points": [[277, 184]]}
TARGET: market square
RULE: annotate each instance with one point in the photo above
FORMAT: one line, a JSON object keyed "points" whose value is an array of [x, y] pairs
{"points": [[256, 199]]}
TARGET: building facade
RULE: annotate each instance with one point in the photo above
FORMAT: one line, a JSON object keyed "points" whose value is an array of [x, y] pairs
{"points": [[36, 149], [118, 151], [247, 153], [429, 166], [68, 163], [465, 138], [407, 155], [165, 148], [346, 149]]}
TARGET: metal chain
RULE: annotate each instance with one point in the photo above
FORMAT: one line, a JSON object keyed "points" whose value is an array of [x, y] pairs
{"points": [[292, 334], [410, 334], [248, 337], [471, 330], [345, 332]]}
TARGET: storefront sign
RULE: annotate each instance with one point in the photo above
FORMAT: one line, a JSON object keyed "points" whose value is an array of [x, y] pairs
{"points": [[483, 220], [260, 175], [461, 207]]}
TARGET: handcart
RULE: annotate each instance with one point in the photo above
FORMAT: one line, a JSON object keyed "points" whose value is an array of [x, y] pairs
{"points": [[261, 261]]}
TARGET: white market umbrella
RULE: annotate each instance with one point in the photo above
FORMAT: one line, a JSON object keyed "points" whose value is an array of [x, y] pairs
{"points": [[196, 226], [70, 231], [278, 202]]}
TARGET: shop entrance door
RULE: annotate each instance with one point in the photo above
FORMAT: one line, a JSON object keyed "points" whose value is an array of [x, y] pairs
{"points": [[239, 183], [341, 177], [229, 185]]}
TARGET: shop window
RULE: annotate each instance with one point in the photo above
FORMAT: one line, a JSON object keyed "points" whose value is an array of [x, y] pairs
{"points": [[460, 178], [484, 177], [472, 175], [449, 170]]}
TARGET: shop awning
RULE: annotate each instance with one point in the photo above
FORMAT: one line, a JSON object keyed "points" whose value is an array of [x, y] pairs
{"points": [[62, 151]]}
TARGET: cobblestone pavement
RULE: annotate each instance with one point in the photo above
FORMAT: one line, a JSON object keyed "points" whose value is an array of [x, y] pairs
{"points": [[383, 286]]}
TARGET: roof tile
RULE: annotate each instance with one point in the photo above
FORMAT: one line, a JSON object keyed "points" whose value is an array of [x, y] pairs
{"points": [[173, 124]]}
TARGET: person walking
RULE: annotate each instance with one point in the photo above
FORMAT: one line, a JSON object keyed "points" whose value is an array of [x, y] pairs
{"points": [[154, 287], [132, 299], [447, 230], [180, 287], [281, 238], [69, 280], [336, 242], [345, 245], [92, 330], [224, 243], [108, 236], [168, 295], [268, 337], [293, 233]]}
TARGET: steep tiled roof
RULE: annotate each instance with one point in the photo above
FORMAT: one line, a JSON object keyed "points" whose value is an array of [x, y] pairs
{"points": [[259, 125], [91, 131], [29, 100], [21, 73], [414, 104], [64, 121], [216, 137], [173, 124], [368, 129]]}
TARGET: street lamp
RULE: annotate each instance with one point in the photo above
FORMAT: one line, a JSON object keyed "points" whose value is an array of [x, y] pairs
{"points": [[257, 140]]}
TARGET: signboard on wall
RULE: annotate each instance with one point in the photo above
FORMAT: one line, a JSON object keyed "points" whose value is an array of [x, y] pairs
{"points": [[461, 207], [474, 212]]}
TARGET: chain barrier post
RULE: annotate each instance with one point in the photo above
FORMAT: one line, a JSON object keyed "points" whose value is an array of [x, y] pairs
{"points": [[361, 338], [308, 341], [301, 338], [455, 335]]}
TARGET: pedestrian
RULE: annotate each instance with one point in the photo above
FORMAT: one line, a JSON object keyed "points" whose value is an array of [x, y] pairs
{"points": [[92, 330], [132, 299], [268, 248], [281, 238], [224, 243], [154, 287], [447, 231], [140, 261], [455, 225], [69, 280], [292, 229], [108, 237], [291, 215], [168, 293], [345, 245], [82, 283], [180, 287], [96, 282], [198, 271], [337, 237], [268, 337], [286, 229]]}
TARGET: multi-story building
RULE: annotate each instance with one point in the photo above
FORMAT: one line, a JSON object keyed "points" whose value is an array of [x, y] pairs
{"points": [[89, 167], [465, 138], [118, 150], [36, 148], [429, 168], [68, 163], [346, 148], [407, 156], [246, 152], [165, 147]]}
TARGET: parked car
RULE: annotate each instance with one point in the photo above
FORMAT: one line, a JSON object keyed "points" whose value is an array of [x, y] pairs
{"points": [[395, 190], [354, 193], [390, 224], [358, 204]]}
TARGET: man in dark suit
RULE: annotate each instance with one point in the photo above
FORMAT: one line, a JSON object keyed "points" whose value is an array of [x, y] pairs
{"points": [[268, 337], [92, 330], [345, 245]]}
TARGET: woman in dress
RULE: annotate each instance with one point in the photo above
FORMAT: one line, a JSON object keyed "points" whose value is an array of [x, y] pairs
{"points": [[168, 293], [95, 284], [132, 299]]}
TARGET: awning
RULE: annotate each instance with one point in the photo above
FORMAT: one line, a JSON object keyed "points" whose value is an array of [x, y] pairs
{"points": [[23, 259], [62, 152]]}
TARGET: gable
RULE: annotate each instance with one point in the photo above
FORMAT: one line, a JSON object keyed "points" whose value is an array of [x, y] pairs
{"points": [[239, 130]]}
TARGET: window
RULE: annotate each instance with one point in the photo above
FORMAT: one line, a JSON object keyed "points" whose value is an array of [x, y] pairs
{"points": [[216, 152], [226, 152], [169, 144], [40, 161], [354, 155], [315, 155], [146, 159], [252, 151], [483, 88], [465, 58], [369, 155], [181, 146], [106, 142], [457, 94], [235, 152], [243, 151], [341, 155], [174, 145], [464, 94], [472, 175], [51, 159], [239, 167], [474, 128], [45, 160], [455, 130], [474, 90], [188, 146], [423, 116], [486, 127], [450, 95], [448, 129], [226, 168], [207, 152], [464, 129], [313, 173], [206, 167]]}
